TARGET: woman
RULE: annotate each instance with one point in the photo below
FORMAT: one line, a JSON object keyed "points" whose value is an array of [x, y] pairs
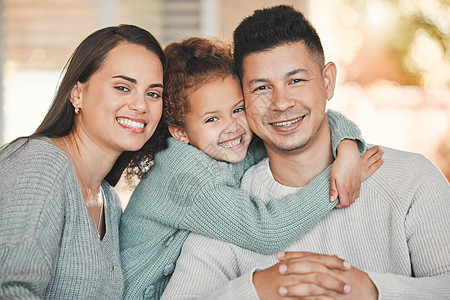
{"points": [[59, 214]]}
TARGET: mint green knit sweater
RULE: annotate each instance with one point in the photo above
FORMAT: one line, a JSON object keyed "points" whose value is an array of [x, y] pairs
{"points": [[186, 191]]}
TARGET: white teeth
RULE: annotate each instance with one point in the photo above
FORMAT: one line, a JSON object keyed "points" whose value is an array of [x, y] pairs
{"points": [[287, 123], [231, 143], [130, 123]]}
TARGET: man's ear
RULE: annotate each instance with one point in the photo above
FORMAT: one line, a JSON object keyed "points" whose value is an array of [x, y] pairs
{"points": [[75, 95], [329, 79], [179, 133]]}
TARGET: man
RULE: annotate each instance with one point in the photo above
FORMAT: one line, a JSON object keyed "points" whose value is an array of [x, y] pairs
{"points": [[395, 236]]}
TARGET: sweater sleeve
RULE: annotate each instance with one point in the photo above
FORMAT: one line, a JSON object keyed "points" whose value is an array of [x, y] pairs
{"points": [[201, 196], [30, 223], [343, 128], [228, 213]]}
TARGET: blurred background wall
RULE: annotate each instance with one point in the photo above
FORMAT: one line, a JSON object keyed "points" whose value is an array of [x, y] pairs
{"points": [[393, 57]]}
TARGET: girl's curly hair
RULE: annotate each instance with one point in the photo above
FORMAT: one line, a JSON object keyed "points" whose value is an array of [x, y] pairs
{"points": [[190, 64]]}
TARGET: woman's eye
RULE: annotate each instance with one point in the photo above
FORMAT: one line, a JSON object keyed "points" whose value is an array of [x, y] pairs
{"points": [[153, 95], [122, 88], [211, 119], [239, 109]]}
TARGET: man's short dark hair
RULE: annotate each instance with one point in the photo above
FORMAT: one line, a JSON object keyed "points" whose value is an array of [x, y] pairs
{"points": [[271, 27]]}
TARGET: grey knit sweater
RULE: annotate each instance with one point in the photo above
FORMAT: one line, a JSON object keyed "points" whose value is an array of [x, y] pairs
{"points": [[49, 248], [397, 231]]}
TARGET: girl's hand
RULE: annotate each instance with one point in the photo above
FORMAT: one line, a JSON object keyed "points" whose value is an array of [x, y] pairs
{"points": [[371, 161], [346, 174], [349, 169]]}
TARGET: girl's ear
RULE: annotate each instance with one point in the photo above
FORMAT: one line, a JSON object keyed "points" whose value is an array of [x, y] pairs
{"points": [[179, 133], [75, 95]]}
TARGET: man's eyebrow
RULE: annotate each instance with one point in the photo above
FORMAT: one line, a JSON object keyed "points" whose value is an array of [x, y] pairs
{"points": [[288, 74], [258, 80], [296, 71], [132, 80]]}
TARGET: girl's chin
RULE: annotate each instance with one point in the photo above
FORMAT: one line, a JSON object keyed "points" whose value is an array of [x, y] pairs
{"points": [[232, 158]]}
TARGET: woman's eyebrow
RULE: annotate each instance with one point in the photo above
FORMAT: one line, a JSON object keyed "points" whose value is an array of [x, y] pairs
{"points": [[134, 81]]}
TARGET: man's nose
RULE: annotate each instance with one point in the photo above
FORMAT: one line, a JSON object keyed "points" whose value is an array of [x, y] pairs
{"points": [[281, 100]]}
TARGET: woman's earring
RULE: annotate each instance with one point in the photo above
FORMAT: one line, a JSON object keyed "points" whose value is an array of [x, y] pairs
{"points": [[77, 110]]}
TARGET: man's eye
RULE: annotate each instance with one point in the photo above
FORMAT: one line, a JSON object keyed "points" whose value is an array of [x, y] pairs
{"points": [[297, 80], [122, 88], [211, 119], [237, 110], [261, 88]]}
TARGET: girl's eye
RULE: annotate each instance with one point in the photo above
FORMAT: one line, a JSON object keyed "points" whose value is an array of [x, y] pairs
{"points": [[238, 109], [122, 88], [211, 119], [153, 95]]}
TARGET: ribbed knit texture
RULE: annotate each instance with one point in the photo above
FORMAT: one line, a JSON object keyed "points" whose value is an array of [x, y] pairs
{"points": [[186, 190], [397, 231], [49, 248]]}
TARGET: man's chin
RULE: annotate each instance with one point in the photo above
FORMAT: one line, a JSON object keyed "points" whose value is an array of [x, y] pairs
{"points": [[289, 146]]}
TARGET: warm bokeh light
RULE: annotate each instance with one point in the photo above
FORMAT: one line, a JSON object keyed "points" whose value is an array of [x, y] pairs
{"points": [[393, 62]]}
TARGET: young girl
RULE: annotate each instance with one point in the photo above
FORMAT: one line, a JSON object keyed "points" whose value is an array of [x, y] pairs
{"points": [[192, 185], [59, 214]]}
